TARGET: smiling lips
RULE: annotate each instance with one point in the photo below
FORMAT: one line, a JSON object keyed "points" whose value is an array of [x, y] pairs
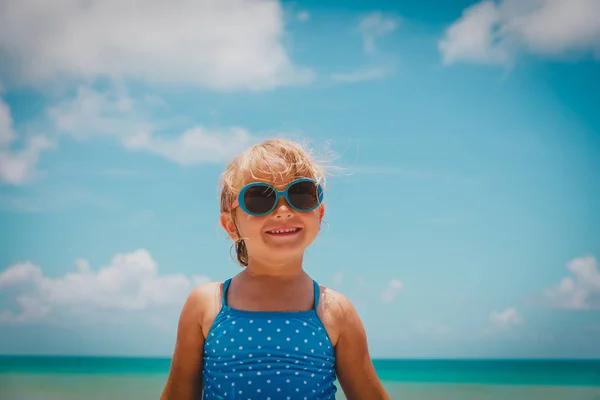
{"points": [[285, 231]]}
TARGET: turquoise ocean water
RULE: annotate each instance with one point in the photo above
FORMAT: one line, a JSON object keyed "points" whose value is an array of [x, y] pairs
{"points": [[95, 378]]}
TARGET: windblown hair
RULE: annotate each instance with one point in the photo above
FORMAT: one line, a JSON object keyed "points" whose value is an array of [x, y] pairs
{"points": [[273, 158]]}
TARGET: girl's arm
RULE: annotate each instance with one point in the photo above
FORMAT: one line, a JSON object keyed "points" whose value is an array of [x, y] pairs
{"points": [[185, 377], [354, 367]]}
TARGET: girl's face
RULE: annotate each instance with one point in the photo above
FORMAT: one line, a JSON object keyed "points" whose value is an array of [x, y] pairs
{"points": [[279, 237]]}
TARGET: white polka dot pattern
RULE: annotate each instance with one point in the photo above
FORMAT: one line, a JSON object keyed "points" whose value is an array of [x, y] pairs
{"points": [[260, 355]]}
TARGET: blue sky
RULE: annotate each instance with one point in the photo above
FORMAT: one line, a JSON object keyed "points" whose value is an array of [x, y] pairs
{"points": [[463, 222]]}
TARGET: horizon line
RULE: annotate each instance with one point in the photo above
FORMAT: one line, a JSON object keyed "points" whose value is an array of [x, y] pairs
{"points": [[163, 357]]}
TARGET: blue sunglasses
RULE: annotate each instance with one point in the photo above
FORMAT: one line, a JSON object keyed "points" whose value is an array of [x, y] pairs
{"points": [[260, 198]]}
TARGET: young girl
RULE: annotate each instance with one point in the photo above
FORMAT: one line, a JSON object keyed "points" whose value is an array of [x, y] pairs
{"points": [[271, 332]]}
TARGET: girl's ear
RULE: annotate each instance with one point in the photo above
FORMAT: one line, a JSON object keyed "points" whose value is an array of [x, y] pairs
{"points": [[321, 211], [227, 223]]}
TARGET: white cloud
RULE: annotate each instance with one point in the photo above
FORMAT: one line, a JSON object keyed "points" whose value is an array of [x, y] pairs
{"points": [[94, 112], [495, 32], [18, 166], [578, 292], [223, 45], [374, 26], [114, 113], [303, 16], [194, 146], [506, 318], [32, 309], [360, 75], [7, 134], [471, 38], [20, 273], [130, 282], [391, 291]]}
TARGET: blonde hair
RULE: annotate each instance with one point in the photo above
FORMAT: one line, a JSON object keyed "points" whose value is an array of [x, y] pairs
{"points": [[273, 158]]}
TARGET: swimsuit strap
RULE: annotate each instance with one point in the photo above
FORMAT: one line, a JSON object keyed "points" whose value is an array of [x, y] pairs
{"points": [[317, 291], [225, 287]]}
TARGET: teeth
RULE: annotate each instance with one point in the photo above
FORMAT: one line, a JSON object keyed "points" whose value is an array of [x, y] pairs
{"points": [[284, 230]]}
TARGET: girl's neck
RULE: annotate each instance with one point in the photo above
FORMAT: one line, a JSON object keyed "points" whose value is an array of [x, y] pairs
{"points": [[284, 271]]}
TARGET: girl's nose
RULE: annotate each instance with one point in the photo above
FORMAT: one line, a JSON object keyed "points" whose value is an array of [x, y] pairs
{"points": [[283, 209]]}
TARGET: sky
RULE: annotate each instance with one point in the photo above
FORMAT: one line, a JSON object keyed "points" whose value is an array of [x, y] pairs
{"points": [[463, 215]]}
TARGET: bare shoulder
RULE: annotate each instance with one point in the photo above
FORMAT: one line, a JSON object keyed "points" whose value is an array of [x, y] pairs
{"points": [[333, 301], [185, 375], [204, 302], [354, 367], [334, 309], [206, 291]]}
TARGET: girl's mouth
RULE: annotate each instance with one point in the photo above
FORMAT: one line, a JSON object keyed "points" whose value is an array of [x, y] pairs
{"points": [[284, 231]]}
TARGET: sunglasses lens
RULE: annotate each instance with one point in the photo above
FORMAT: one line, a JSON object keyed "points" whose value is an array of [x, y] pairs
{"points": [[304, 195], [259, 199]]}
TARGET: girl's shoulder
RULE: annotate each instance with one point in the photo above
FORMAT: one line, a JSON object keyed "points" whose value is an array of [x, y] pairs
{"points": [[205, 302], [333, 302], [334, 309]]}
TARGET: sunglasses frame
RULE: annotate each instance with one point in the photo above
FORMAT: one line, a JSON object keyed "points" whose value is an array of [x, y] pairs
{"points": [[278, 194]]}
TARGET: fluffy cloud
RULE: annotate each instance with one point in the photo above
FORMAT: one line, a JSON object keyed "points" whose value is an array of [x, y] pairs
{"points": [[222, 45], [7, 134], [580, 291], [17, 166], [99, 112], [506, 318], [114, 113], [391, 291], [374, 26], [494, 32], [130, 282], [471, 38], [194, 146]]}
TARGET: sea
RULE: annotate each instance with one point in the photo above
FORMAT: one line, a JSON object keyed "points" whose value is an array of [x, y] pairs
{"points": [[117, 378]]}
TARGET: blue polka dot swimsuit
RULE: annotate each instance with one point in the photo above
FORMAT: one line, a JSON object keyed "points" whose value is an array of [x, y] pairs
{"points": [[268, 355]]}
